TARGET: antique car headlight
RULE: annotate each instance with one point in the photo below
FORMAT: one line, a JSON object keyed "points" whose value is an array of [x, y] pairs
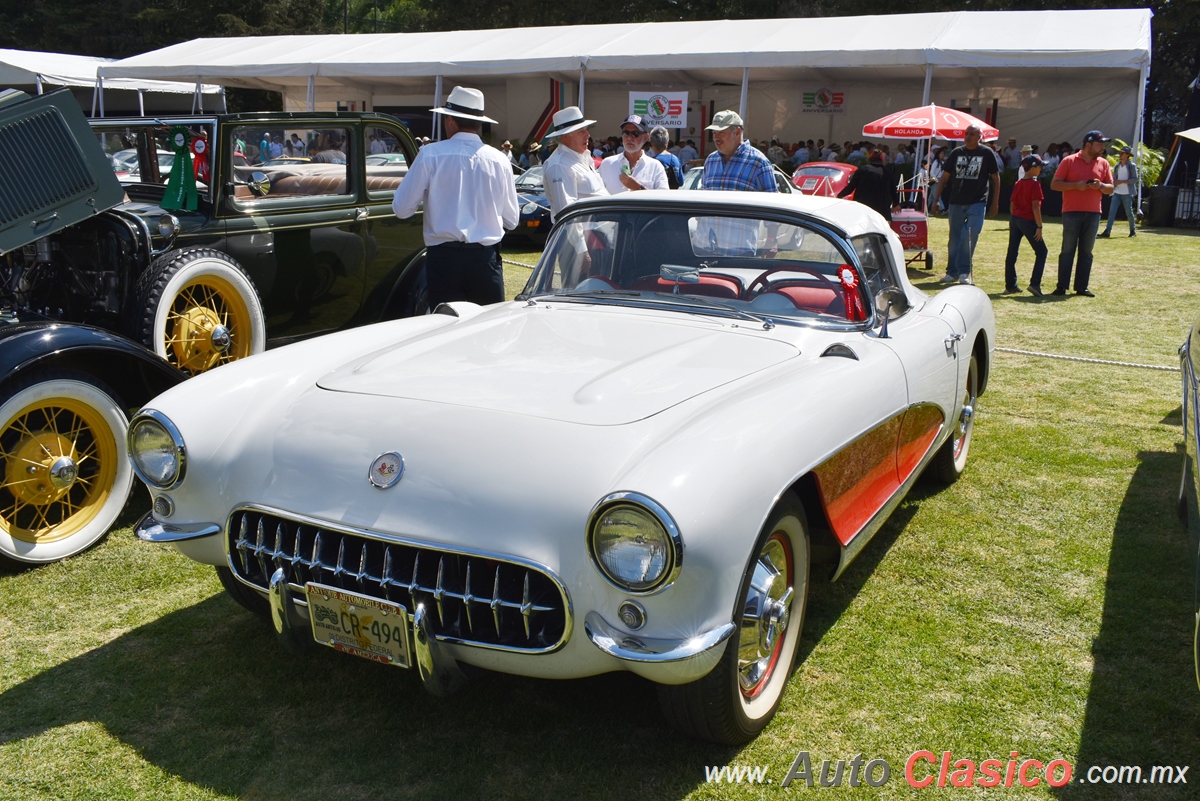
{"points": [[168, 226], [634, 542], [156, 449]]}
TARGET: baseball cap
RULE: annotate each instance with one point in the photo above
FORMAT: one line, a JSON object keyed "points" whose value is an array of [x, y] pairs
{"points": [[1127, 149], [1095, 136], [725, 119], [1029, 162], [636, 121]]}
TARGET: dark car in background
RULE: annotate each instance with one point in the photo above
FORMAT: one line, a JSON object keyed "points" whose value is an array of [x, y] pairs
{"points": [[96, 278], [534, 224]]}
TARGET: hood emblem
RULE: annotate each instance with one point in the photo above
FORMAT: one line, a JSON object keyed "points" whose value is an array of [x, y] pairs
{"points": [[386, 470]]}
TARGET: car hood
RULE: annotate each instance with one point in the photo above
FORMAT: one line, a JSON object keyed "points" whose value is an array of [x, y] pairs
{"points": [[593, 365]]}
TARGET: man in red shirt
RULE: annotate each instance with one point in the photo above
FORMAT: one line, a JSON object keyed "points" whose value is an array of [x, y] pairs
{"points": [[1082, 177]]}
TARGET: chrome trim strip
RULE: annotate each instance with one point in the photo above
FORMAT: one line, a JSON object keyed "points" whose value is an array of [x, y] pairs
{"points": [[636, 648], [150, 530], [664, 518], [495, 603], [176, 438], [851, 549]]}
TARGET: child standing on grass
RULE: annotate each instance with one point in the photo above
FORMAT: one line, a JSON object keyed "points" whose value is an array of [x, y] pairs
{"points": [[1026, 223]]}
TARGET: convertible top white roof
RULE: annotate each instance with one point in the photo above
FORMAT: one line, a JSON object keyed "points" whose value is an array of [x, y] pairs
{"points": [[1103, 39]]}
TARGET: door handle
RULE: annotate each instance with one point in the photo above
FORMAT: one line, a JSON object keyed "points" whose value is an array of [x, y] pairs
{"points": [[952, 343], [361, 214]]}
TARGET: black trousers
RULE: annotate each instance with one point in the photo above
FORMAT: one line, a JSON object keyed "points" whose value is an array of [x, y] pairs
{"points": [[464, 271]]}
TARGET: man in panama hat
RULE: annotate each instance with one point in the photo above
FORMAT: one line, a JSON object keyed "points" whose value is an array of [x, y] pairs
{"points": [[570, 172], [470, 201]]}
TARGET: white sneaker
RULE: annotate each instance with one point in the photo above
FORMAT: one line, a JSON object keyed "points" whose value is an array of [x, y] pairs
{"points": [[965, 279], [947, 279]]}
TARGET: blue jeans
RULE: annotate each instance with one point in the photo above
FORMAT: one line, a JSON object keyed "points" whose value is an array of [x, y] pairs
{"points": [[965, 224], [1018, 229], [1078, 233], [1127, 203]]}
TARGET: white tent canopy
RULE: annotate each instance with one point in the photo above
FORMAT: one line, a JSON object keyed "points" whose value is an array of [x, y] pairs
{"points": [[965, 52], [42, 71]]}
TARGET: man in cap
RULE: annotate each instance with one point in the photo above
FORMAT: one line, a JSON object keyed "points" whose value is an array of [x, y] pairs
{"points": [[570, 172], [1082, 177], [736, 164], [632, 169], [470, 201], [1125, 183]]}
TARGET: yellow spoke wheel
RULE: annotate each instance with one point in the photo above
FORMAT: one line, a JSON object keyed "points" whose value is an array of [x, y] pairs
{"points": [[199, 310], [66, 475], [207, 325]]}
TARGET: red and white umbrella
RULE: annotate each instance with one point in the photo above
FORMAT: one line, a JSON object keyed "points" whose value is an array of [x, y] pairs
{"points": [[929, 121]]}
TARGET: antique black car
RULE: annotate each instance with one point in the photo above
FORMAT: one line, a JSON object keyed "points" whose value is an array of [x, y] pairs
{"points": [[282, 231]]}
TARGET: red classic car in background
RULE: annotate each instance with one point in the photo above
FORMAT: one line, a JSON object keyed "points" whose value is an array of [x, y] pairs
{"points": [[822, 178]]}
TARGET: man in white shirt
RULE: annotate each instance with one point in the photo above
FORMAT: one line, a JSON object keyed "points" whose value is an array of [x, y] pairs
{"points": [[570, 172], [1011, 155], [631, 169], [470, 201]]}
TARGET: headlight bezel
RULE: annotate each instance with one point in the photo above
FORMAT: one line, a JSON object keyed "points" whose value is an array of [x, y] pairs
{"points": [[146, 416], [659, 514]]}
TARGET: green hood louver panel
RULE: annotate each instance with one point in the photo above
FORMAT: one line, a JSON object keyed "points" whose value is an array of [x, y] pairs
{"points": [[53, 172]]}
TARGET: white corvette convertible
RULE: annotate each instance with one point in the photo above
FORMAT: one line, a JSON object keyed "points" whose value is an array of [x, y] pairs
{"points": [[700, 401]]}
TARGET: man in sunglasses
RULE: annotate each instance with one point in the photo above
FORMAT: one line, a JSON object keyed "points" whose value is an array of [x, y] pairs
{"points": [[632, 169]]}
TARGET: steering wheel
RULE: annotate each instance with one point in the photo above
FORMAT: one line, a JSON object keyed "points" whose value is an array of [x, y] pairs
{"points": [[762, 278]]}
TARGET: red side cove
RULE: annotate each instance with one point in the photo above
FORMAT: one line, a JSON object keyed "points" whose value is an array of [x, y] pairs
{"points": [[858, 480]]}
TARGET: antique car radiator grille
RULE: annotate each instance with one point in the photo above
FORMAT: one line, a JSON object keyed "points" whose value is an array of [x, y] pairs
{"points": [[473, 599]]}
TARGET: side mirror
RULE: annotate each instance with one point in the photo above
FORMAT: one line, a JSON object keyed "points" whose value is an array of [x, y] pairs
{"points": [[890, 302], [259, 184]]}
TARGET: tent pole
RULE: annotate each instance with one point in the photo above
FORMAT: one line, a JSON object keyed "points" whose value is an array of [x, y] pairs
{"points": [[312, 93], [141, 103], [95, 90], [928, 84], [100, 82], [437, 103], [582, 78], [745, 91], [38, 78], [1139, 128], [919, 156]]}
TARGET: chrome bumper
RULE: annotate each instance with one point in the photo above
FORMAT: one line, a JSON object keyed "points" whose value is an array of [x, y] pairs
{"points": [[150, 530], [662, 661]]}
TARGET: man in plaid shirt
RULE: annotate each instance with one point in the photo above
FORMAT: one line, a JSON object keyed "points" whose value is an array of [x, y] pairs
{"points": [[736, 164]]}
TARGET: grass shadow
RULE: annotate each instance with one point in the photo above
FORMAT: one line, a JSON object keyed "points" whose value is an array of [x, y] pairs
{"points": [[1142, 705]]}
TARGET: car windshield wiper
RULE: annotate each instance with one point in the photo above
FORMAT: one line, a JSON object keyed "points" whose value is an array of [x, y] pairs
{"points": [[699, 301]]}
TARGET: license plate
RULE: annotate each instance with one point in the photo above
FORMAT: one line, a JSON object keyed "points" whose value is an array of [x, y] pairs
{"points": [[359, 625]]}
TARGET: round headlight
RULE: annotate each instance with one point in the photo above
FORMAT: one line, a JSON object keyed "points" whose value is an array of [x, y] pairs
{"points": [[529, 208], [156, 449], [634, 543], [168, 226]]}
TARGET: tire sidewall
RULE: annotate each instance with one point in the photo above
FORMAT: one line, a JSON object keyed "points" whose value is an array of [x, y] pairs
{"points": [[971, 393], [187, 267], [752, 715], [44, 392]]}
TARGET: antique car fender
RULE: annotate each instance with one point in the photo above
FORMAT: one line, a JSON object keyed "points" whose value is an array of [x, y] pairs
{"points": [[64, 404]]}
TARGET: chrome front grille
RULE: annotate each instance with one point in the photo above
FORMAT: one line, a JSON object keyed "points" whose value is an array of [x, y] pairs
{"points": [[476, 599]]}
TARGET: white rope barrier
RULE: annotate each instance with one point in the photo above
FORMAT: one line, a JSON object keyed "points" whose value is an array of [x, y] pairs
{"points": [[1088, 361]]}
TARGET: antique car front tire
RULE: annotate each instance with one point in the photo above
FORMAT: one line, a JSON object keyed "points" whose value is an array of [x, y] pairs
{"points": [[951, 458], [738, 698], [66, 468], [245, 596], [198, 309]]}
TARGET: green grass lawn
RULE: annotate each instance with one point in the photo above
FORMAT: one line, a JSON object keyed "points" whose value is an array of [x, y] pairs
{"points": [[1040, 605]]}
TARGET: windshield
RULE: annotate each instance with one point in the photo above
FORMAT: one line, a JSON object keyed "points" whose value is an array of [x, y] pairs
{"points": [[742, 264], [530, 179]]}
